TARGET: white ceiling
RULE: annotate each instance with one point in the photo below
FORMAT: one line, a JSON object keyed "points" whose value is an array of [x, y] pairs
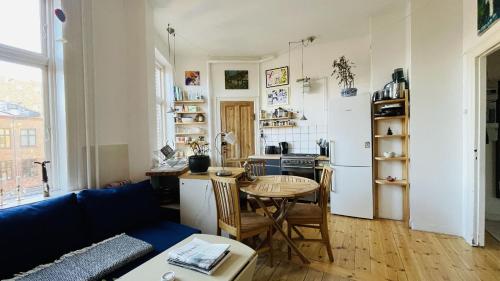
{"points": [[259, 28]]}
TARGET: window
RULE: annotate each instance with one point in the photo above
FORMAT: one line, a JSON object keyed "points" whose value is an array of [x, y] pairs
{"points": [[26, 33], [28, 137], [4, 138], [5, 170], [29, 169], [163, 81], [25, 91]]}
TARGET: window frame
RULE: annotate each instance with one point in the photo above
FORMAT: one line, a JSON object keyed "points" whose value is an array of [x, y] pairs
{"points": [[46, 62], [28, 137], [168, 127], [5, 138]]}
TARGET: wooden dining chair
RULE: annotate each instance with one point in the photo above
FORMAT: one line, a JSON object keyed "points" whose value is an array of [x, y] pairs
{"points": [[257, 168], [312, 215], [237, 224]]}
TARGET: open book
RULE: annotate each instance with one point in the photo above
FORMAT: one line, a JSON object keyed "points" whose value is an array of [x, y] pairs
{"points": [[199, 255]]}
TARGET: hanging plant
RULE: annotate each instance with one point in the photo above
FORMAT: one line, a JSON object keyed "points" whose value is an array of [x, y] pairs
{"points": [[342, 70]]}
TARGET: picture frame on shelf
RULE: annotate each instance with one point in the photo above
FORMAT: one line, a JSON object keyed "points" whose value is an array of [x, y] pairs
{"points": [[278, 97], [279, 76]]}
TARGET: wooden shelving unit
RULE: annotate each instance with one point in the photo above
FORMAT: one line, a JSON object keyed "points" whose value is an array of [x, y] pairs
{"points": [[262, 126], [403, 137], [185, 131]]}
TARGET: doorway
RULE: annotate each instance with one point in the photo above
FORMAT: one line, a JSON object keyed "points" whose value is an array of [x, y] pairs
{"points": [[238, 117], [492, 147]]}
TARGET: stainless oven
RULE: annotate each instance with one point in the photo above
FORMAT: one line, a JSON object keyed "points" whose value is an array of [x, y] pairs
{"points": [[301, 165]]}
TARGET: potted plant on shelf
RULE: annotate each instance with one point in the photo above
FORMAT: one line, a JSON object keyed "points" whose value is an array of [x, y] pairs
{"points": [[342, 69], [200, 161]]}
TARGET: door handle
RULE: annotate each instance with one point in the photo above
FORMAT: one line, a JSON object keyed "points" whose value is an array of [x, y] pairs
{"points": [[334, 180], [332, 152]]}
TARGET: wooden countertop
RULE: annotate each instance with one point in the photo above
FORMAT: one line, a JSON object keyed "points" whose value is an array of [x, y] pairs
{"points": [[266, 156], [237, 172], [166, 172]]}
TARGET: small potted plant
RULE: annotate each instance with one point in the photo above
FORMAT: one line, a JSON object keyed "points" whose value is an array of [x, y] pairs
{"points": [[342, 69], [200, 161]]}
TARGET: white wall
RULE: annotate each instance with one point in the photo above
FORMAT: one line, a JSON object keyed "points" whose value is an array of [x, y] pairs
{"points": [[436, 120], [391, 25], [123, 52]]}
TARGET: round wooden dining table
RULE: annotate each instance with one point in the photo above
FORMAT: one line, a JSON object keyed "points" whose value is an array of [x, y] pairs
{"points": [[287, 188]]}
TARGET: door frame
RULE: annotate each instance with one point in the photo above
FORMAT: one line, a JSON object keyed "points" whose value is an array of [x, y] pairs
{"points": [[256, 107], [474, 125]]}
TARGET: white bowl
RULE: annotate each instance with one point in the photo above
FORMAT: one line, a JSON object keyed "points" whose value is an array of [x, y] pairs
{"points": [[187, 119], [390, 154]]}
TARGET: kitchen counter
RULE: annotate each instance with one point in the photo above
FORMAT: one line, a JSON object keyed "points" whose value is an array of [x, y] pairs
{"points": [[167, 171], [237, 172], [266, 156]]}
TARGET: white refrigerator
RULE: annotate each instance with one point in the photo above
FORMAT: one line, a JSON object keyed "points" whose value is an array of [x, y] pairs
{"points": [[349, 130]]}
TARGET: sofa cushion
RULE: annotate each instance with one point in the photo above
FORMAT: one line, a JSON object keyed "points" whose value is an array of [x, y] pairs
{"points": [[39, 233], [163, 235], [112, 211]]}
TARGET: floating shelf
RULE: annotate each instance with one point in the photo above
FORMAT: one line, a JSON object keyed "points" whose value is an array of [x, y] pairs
{"points": [[386, 182], [389, 101], [389, 117], [284, 126], [189, 101], [381, 158], [187, 112], [190, 123], [190, 134], [389, 136], [277, 118]]}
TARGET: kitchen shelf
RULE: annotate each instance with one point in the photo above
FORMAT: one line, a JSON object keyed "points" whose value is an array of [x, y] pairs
{"points": [[190, 123], [190, 134], [402, 163], [381, 158], [389, 136], [188, 112], [389, 101], [389, 117], [189, 101], [277, 118], [386, 182], [284, 126]]}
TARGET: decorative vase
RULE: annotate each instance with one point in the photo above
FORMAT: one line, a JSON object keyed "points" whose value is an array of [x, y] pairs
{"points": [[349, 92], [199, 163]]}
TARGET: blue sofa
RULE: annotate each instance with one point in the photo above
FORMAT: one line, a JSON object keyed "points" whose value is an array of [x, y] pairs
{"points": [[39, 233]]}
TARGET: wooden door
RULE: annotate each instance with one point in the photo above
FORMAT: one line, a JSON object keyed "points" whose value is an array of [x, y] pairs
{"points": [[238, 117]]}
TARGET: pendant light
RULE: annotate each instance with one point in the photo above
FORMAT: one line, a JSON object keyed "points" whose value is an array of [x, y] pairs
{"points": [[171, 32], [303, 118], [303, 79]]}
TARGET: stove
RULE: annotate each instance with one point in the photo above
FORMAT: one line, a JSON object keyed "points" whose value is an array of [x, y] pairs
{"points": [[302, 165], [298, 160]]}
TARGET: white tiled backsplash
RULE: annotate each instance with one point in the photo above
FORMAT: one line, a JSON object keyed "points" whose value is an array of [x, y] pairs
{"points": [[301, 139]]}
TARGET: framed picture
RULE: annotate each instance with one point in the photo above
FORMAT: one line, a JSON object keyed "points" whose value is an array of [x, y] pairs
{"points": [[278, 97], [277, 77], [192, 78], [236, 79], [488, 12]]}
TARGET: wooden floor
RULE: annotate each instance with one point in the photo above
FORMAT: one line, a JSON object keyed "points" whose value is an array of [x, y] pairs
{"points": [[384, 250]]}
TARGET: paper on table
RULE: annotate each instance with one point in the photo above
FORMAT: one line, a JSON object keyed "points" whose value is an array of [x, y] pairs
{"points": [[199, 253]]}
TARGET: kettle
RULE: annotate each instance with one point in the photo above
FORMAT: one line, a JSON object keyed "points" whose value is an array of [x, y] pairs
{"points": [[284, 147]]}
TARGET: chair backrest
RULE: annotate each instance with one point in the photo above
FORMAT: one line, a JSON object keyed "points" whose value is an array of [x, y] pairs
{"points": [[258, 167], [324, 189], [228, 204]]}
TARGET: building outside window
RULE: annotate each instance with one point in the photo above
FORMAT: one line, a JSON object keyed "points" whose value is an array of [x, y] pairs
{"points": [[5, 170], [28, 137], [29, 169], [27, 64], [4, 138]]}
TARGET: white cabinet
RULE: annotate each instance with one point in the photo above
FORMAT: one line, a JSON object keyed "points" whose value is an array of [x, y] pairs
{"points": [[197, 205]]}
